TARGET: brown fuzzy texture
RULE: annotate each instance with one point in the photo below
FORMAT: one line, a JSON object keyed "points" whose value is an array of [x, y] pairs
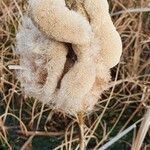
{"points": [[49, 73]]}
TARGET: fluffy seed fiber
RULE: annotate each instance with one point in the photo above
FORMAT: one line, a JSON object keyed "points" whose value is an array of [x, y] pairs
{"points": [[66, 52]]}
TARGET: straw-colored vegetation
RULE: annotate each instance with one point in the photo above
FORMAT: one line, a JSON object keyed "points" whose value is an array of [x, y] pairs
{"points": [[26, 124]]}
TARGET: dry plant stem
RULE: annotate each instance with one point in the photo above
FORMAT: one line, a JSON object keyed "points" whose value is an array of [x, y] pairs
{"points": [[143, 99], [24, 147], [131, 10], [40, 133], [142, 131], [81, 126]]}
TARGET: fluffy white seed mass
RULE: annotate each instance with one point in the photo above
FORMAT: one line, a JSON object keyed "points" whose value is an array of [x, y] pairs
{"points": [[65, 59]]}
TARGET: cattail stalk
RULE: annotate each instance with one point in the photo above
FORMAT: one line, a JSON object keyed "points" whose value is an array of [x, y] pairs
{"points": [[81, 126]]}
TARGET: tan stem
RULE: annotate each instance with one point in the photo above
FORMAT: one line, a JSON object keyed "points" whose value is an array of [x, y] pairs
{"points": [[142, 132], [81, 126]]}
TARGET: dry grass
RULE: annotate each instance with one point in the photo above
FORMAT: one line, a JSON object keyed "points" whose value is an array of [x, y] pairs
{"points": [[26, 124]]}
